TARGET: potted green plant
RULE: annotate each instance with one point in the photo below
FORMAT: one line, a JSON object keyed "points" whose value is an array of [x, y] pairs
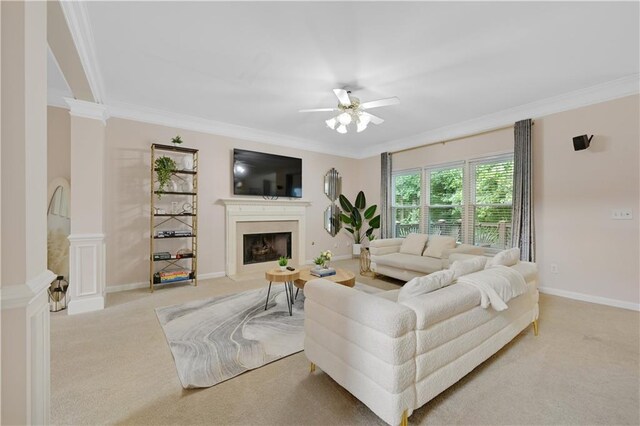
{"points": [[165, 167], [356, 216], [282, 262], [177, 140], [322, 260]]}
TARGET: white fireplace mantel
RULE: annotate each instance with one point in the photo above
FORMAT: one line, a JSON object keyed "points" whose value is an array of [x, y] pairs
{"points": [[260, 210]]}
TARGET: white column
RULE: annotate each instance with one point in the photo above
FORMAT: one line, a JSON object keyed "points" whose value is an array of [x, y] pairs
{"points": [[87, 240], [25, 311]]}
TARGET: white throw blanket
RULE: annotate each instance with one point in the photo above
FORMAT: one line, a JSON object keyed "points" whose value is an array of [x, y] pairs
{"points": [[497, 285]]}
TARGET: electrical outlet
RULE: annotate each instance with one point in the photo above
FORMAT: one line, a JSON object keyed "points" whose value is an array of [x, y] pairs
{"points": [[621, 214], [554, 268]]}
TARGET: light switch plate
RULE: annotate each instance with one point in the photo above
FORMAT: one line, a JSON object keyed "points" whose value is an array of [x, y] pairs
{"points": [[621, 214]]}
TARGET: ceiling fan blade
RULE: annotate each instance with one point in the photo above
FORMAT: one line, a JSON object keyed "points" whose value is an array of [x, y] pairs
{"points": [[318, 110], [342, 96], [373, 118], [380, 103]]}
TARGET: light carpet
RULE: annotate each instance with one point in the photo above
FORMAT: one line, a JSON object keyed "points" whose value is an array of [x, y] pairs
{"points": [[215, 339]]}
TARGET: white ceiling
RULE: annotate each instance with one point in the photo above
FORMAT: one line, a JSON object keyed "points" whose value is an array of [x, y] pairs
{"points": [[256, 64]]}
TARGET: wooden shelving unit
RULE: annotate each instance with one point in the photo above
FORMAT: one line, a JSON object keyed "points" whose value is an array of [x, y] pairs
{"points": [[189, 220]]}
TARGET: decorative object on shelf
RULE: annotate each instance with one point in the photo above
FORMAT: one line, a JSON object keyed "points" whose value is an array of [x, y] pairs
{"points": [[178, 220], [351, 111], [187, 163], [164, 166], [176, 141], [323, 272], [58, 294], [332, 189], [323, 260], [357, 215], [282, 263]]}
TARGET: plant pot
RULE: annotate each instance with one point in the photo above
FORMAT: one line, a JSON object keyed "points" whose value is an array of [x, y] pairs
{"points": [[356, 249], [283, 268]]}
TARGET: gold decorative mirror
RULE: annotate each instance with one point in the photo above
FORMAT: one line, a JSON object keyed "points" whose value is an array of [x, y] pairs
{"points": [[332, 219], [332, 185]]}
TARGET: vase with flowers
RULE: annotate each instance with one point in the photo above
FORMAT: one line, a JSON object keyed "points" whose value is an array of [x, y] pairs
{"points": [[323, 260]]}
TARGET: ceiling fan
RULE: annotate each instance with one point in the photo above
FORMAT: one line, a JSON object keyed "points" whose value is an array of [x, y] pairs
{"points": [[352, 111]]}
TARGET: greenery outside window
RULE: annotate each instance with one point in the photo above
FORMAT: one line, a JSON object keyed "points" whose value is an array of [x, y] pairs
{"points": [[444, 201], [468, 200], [406, 207]]}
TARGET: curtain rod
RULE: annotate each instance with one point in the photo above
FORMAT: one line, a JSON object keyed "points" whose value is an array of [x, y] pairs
{"points": [[511, 126]]}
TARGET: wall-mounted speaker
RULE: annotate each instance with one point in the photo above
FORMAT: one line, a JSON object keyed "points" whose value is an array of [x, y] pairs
{"points": [[581, 142]]}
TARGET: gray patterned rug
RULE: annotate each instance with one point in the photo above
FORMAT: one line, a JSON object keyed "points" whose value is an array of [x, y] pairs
{"points": [[215, 339]]}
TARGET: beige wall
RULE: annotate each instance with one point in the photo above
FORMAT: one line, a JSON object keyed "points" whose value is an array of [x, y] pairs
{"points": [[58, 143], [127, 195], [574, 193]]}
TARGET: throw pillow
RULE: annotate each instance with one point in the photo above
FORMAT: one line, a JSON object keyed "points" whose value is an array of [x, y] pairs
{"points": [[508, 257], [437, 244], [468, 266], [414, 244], [424, 285]]}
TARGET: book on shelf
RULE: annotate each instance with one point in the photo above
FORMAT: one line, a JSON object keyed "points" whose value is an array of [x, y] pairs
{"points": [[324, 272], [170, 276], [169, 234], [162, 255]]}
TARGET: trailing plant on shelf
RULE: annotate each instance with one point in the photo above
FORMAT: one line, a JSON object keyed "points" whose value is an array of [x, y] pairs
{"points": [[165, 167], [356, 216], [177, 140]]}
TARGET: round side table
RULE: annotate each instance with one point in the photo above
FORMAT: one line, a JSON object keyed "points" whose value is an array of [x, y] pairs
{"points": [[287, 277]]}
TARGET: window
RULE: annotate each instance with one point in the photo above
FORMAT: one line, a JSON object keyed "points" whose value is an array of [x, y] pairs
{"points": [[444, 201], [470, 201], [407, 188], [490, 204]]}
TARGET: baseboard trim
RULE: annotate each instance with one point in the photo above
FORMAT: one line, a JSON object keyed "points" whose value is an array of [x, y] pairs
{"points": [[145, 284], [86, 304], [589, 298]]}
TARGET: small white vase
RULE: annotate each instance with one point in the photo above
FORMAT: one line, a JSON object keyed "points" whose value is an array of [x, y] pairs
{"points": [[356, 249], [283, 268], [187, 162]]}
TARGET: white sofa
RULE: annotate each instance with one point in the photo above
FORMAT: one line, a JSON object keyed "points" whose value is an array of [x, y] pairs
{"points": [[395, 357], [386, 258]]}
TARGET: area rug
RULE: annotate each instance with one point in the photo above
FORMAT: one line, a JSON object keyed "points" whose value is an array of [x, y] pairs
{"points": [[215, 339]]}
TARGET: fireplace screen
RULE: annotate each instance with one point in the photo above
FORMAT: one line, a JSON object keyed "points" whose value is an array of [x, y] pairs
{"points": [[258, 248]]}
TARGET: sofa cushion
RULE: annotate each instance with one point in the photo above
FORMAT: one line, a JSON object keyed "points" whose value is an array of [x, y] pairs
{"points": [[426, 284], [414, 244], [391, 295], [528, 270], [409, 262], [468, 266], [508, 257], [437, 244]]}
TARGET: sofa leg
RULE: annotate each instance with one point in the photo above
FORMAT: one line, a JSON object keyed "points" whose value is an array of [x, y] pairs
{"points": [[535, 327], [405, 419], [312, 368]]}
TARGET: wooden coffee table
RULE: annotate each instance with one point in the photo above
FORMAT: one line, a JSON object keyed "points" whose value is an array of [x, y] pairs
{"points": [[342, 276]]}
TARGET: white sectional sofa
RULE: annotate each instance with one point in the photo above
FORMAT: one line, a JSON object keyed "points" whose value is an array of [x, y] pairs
{"points": [[395, 357], [388, 258]]}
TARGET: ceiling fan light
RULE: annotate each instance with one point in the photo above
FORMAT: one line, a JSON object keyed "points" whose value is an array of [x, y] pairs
{"points": [[344, 119], [342, 129], [331, 123]]}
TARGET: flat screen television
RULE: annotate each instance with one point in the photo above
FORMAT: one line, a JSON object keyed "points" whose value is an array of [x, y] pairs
{"points": [[267, 175]]}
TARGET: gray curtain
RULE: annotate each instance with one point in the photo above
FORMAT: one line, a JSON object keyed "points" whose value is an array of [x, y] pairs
{"points": [[386, 217], [522, 231]]}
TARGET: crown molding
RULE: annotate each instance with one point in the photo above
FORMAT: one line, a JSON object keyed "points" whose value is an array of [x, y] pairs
{"points": [[84, 109], [614, 89], [198, 124], [77, 17], [626, 86]]}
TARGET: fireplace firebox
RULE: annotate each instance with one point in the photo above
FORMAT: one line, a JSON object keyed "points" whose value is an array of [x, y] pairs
{"points": [[265, 247]]}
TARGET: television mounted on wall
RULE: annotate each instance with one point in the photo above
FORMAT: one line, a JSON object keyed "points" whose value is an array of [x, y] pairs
{"points": [[266, 175]]}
